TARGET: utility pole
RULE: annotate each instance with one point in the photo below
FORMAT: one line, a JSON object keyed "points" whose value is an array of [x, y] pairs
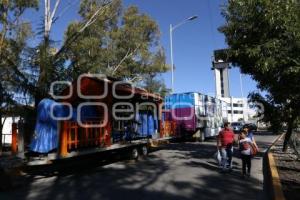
{"points": [[172, 28]]}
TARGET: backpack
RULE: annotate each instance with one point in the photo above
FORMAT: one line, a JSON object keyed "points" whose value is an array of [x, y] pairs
{"points": [[244, 146]]}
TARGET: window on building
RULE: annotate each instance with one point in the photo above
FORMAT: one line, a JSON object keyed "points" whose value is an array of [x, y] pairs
{"points": [[237, 105], [237, 112]]}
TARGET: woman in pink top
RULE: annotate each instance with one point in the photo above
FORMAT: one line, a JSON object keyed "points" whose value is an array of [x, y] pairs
{"points": [[245, 152]]}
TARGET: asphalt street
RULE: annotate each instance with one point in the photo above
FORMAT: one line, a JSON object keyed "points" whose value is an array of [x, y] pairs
{"points": [[176, 171]]}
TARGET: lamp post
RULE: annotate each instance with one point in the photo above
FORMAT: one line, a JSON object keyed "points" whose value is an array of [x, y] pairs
{"points": [[172, 28]]}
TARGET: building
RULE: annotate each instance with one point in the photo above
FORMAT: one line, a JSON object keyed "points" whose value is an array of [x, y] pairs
{"points": [[236, 108]]}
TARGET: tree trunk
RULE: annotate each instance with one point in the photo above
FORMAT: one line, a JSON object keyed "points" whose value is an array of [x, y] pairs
{"points": [[289, 132]]}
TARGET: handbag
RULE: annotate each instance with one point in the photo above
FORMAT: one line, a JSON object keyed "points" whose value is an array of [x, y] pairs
{"points": [[253, 149], [218, 157]]}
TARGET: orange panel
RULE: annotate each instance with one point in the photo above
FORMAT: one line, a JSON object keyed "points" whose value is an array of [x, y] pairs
{"points": [[14, 143], [63, 148]]}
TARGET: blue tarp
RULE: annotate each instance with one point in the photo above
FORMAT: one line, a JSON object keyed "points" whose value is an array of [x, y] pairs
{"points": [[151, 125], [147, 124], [143, 128], [46, 131], [45, 137]]}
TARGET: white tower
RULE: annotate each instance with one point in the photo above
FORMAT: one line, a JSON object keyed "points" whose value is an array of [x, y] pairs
{"points": [[237, 108], [221, 71]]}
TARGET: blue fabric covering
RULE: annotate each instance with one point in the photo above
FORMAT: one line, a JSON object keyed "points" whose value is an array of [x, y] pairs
{"points": [[140, 126], [46, 138], [150, 123], [147, 124], [144, 125]]}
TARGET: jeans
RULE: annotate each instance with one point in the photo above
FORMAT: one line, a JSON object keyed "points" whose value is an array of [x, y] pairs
{"points": [[226, 154], [246, 162]]}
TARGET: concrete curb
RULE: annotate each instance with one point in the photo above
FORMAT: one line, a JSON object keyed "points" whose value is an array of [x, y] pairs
{"points": [[277, 192]]}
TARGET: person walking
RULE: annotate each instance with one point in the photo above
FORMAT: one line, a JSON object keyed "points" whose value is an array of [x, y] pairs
{"points": [[225, 146], [245, 153], [249, 134]]}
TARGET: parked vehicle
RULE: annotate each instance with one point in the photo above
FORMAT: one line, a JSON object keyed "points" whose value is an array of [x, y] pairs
{"points": [[77, 126], [237, 126], [251, 126], [85, 123], [193, 114]]}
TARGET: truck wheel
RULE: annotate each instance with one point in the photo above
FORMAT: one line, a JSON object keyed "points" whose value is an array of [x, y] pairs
{"points": [[134, 154], [144, 150]]}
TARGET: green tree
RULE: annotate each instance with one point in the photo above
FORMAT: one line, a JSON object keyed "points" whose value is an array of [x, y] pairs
{"points": [[264, 41], [122, 43], [108, 39], [14, 33], [273, 113]]}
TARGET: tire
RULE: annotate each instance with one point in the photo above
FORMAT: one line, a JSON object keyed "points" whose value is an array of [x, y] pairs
{"points": [[134, 154], [144, 150]]}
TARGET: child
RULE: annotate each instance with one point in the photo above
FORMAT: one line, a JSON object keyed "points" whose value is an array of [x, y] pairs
{"points": [[245, 150]]}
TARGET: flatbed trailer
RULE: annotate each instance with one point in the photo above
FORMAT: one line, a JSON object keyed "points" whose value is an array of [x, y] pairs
{"points": [[133, 148], [76, 131]]}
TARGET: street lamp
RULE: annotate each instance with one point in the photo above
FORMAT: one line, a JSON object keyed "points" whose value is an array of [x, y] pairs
{"points": [[172, 28]]}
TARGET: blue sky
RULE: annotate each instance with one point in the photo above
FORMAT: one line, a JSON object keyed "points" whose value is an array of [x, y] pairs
{"points": [[194, 42]]}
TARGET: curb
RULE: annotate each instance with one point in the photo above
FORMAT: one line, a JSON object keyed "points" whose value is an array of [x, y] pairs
{"points": [[277, 192]]}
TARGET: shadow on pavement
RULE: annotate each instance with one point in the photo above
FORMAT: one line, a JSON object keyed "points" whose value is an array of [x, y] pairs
{"points": [[177, 171]]}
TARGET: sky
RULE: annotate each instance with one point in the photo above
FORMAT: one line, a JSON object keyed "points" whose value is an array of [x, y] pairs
{"points": [[193, 42]]}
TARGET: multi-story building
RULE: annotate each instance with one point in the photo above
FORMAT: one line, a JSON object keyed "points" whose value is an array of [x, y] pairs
{"points": [[236, 109]]}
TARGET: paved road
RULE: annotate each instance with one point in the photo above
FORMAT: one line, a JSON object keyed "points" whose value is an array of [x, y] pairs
{"points": [[177, 171]]}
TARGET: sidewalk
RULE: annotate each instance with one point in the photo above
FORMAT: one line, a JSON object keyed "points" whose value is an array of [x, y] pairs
{"points": [[232, 186]]}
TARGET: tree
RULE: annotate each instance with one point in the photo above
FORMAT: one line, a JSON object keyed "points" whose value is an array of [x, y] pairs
{"points": [[120, 43], [272, 113], [13, 35], [264, 41], [108, 39]]}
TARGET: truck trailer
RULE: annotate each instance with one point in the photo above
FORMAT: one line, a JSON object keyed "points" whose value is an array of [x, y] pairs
{"points": [[94, 115], [193, 115]]}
